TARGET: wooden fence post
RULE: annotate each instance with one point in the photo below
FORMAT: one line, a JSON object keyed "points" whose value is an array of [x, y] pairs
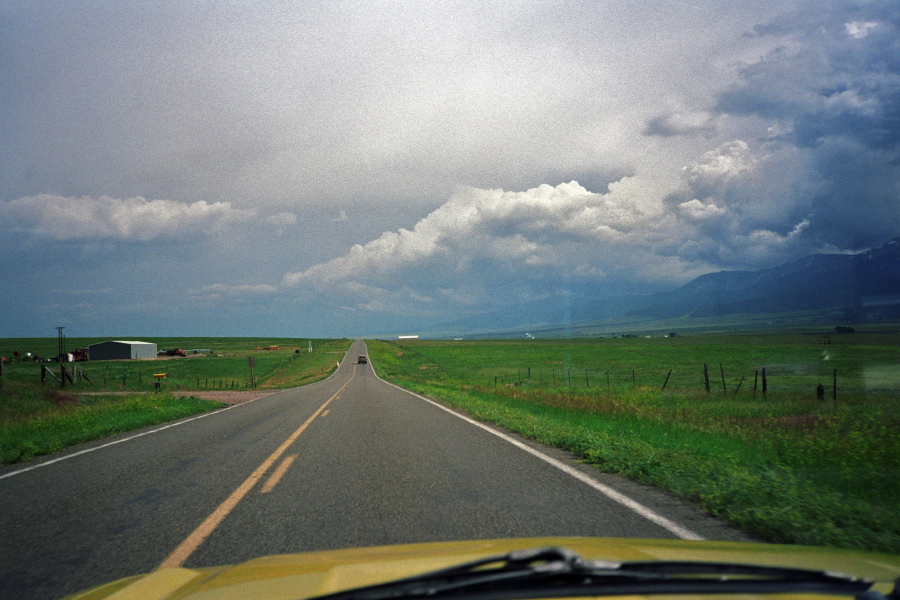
{"points": [[667, 380], [765, 383], [706, 377], [724, 387], [834, 388], [45, 370]]}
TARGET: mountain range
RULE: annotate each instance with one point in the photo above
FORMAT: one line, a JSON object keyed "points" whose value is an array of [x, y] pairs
{"points": [[847, 288]]}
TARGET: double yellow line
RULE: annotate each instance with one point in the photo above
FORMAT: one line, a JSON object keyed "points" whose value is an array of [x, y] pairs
{"points": [[193, 541]]}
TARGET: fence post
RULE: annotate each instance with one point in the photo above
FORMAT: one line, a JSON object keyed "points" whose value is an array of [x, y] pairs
{"points": [[667, 380], [722, 371], [706, 377], [765, 383], [48, 372], [834, 388]]}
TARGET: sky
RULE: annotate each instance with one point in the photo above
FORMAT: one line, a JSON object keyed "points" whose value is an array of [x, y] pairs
{"points": [[352, 168]]}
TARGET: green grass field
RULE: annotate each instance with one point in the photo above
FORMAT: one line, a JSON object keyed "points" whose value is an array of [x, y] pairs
{"points": [[43, 417], [38, 420], [224, 366], [783, 465]]}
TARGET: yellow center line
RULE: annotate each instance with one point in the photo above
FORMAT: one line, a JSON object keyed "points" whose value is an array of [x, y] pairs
{"points": [[325, 413], [278, 473], [193, 541]]}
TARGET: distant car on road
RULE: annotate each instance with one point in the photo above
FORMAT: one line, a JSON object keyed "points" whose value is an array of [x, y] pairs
{"points": [[362, 359]]}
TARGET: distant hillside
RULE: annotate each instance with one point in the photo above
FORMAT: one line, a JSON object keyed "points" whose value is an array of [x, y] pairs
{"points": [[864, 285], [860, 287]]}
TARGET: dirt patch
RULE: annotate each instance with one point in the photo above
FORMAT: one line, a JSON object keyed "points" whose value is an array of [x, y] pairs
{"points": [[226, 397]]}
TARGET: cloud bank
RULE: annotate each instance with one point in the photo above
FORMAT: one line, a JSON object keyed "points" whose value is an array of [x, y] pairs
{"points": [[349, 164], [124, 220], [815, 169]]}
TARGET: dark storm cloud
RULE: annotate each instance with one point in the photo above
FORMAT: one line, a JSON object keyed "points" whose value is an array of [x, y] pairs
{"points": [[838, 75], [311, 154], [822, 171]]}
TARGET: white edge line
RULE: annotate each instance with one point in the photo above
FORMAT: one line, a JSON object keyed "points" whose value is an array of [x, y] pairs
{"points": [[674, 528], [129, 438]]}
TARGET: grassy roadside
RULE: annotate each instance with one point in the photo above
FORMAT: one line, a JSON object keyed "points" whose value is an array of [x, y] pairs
{"points": [[36, 421], [786, 467], [40, 418]]}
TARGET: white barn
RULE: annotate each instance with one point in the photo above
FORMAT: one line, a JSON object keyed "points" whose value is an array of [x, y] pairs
{"points": [[120, 349]]}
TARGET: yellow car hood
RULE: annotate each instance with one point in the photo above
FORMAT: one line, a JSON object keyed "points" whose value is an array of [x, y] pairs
{"points": [[296, 576]]}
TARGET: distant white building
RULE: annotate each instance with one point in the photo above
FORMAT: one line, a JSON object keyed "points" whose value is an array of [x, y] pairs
{"points": [[407, 337], [120, 349]]}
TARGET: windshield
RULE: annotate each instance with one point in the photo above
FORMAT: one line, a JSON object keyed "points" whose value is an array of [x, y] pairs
{"points": [[292, 277]]}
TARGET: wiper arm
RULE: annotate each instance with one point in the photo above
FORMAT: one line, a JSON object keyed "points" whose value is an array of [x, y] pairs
{"points": [[556, 572]]}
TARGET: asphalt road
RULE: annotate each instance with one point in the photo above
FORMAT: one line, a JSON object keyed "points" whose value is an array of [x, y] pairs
{"points": [[349, 461]]}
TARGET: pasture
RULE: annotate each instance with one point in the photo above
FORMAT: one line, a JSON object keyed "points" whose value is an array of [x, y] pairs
{"points": [[787, 465], [109, 397], [224, 364]]}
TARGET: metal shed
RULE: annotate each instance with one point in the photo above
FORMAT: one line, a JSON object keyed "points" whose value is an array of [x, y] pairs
{"points": [[117, 350]]}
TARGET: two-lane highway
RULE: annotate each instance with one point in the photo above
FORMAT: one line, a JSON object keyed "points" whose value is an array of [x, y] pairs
{"points": [[349, 461]]}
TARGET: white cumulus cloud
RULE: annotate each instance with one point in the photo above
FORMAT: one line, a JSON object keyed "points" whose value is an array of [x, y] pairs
{"points": [[501, 246], [105, 218]]}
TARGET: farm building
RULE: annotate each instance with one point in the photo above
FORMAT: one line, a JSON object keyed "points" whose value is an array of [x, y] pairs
{"points": [[117, 350]]}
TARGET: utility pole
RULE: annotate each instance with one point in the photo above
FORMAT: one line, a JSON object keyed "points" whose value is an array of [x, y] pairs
{"points": [[59, 356]]}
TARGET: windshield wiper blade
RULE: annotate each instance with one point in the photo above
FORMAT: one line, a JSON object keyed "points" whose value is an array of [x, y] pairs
{"points": [[556, 572]]}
